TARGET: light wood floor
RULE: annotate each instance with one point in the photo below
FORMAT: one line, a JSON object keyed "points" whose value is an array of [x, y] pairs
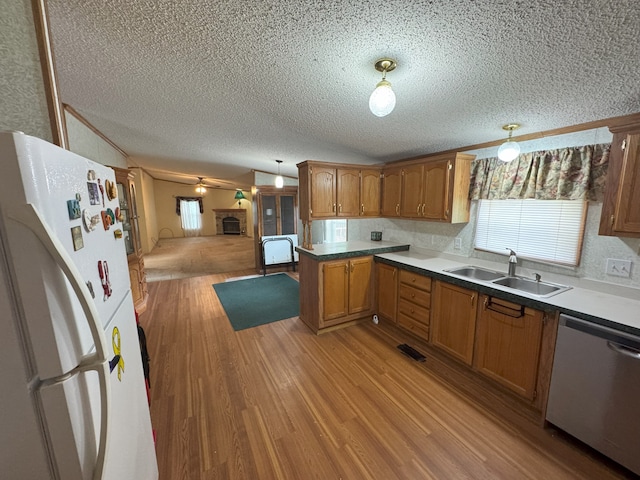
{"points": [[174, 258], [277, 402]]}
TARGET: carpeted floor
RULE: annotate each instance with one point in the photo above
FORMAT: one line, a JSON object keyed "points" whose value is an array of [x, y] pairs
{"points": [[174, 258], [259, 300]]}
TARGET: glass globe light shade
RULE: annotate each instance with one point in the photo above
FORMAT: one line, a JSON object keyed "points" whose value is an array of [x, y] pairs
{"points": [[508, 151], [279, 181], [382, 101]]}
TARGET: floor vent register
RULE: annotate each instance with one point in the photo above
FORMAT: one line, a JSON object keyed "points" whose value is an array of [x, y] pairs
{"points": [[411, 352]]}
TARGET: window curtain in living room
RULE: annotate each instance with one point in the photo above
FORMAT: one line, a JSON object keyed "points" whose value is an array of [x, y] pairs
{"points": [[572, 173], [190, 217]]}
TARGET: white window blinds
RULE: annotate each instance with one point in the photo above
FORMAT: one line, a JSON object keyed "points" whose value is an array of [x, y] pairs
{"points": [[546, 230]]}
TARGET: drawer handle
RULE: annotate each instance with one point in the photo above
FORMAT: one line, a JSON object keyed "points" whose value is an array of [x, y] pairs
{"points": [[413, 295], [509, 312]]}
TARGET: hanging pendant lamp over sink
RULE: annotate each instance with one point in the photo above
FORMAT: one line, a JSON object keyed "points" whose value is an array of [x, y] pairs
{"points": [[509, 150]]}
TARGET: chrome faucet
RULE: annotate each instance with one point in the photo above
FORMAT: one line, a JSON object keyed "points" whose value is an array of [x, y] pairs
{"points": [[513, 263]]}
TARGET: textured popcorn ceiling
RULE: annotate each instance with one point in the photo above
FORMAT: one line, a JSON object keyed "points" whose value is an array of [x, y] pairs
{"points": [[217, 88]]}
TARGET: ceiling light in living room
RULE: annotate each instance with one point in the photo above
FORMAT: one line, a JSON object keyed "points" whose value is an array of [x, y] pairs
{"points": [[201, 189]]}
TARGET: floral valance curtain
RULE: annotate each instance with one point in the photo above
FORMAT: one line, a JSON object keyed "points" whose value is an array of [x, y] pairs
{"points": [[188, 199], [572, 173]]}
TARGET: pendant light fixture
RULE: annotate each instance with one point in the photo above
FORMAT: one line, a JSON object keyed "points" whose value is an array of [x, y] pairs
{"points": [[279, 179], [382, 101], [509, 150], [201, 189], [239, 196]]}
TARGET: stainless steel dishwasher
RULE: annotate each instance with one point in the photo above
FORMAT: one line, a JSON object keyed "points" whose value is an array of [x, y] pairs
{"points": [[595, 389]]}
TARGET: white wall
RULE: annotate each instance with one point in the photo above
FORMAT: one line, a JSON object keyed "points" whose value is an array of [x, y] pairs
{"points": [[23, 102], [85, 142]]}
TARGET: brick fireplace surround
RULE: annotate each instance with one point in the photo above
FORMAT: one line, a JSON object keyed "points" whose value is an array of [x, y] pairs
{"points": [[239, 213]]}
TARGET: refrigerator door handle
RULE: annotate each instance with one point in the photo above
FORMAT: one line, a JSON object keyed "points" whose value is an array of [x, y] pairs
{"points": [[29, 216]]}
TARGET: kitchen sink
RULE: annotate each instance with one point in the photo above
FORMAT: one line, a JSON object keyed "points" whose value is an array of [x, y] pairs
{"points": [[539, 288], [476, 273]]}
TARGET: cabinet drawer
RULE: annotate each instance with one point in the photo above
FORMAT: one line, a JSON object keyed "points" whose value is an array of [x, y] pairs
{"points": [[419, 297], [418, 328], [418, 313], [418, 281]]}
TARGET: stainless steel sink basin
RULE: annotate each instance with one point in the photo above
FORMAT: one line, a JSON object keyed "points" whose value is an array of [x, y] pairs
{"points": [[476, 273], [538, 288]]}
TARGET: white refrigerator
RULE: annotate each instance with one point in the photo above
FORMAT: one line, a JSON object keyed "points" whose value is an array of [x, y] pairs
{"points": [[73, 401]]}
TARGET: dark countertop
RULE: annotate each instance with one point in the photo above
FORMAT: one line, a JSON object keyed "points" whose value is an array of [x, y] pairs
{"points": [[357, 248]]}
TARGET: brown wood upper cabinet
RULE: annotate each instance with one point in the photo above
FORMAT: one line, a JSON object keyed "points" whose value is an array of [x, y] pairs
{"points": [[435, 188], [620, 212], [332, 190], [391, 191]]}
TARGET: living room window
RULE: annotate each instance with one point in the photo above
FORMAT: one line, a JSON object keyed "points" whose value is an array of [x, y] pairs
{"points": [[543, 230]]}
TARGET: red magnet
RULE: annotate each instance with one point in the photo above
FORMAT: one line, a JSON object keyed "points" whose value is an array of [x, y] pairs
{"points": [[103, 268]]}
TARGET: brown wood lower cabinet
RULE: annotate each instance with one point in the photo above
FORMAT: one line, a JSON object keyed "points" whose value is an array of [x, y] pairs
{"points": [[387, 291], [508, 344], [454, 320], [335, 292], [414, 303]]}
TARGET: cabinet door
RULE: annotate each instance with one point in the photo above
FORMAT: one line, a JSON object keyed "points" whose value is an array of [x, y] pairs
{"points": [[268, 215], [508, 345], [360, 272], [335, 289], [369, 193], [387, 290], [436, 190], [391, 192], [348, 192], [137, 291], [453, 320], [323, 192], [627, 216], [412, 187]]}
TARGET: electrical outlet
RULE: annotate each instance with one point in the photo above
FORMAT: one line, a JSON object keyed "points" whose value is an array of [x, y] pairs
{"points": [[618, 268], [457, 243]]}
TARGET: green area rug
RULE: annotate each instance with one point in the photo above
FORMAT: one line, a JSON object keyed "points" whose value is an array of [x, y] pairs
{"points": [[256, 301]]}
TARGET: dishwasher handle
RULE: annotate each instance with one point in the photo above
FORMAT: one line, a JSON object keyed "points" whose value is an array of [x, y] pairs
{"points": [[622, 350], [622, 342]]}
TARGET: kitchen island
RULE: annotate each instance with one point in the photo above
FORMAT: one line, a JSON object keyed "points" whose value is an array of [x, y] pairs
{"points": [[337, 282]]}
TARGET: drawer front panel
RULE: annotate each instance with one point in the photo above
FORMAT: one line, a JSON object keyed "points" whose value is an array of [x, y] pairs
{"points": [[418, 328], [418, 281], [419, 297], [419, 314]]}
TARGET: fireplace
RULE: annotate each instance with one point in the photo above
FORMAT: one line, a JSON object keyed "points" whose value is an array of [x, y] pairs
{"points": [[230, 221], [231, 226]]}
